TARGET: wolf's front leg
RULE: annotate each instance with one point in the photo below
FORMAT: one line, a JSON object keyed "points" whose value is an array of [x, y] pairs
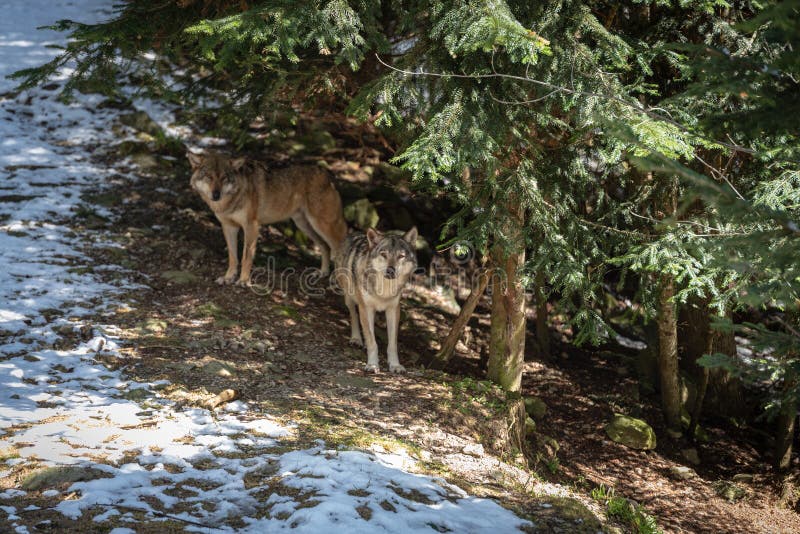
{"points": [[392, 325], [355, 332], [231, 233], [367, 315], [249, 251]]}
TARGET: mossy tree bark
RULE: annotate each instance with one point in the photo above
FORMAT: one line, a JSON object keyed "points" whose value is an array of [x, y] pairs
{"points": [[784, 435], [507, 330], [668, 353], [507, 344], [507, 335]]}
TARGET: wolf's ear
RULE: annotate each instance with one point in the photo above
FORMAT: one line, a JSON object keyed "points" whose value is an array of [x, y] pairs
{"points": [[373, 236], [194, 159], [411, 236], [238, 163]]}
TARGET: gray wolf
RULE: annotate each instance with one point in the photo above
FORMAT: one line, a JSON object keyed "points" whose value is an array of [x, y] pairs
{"points": [[242, 193], [372, 269]]}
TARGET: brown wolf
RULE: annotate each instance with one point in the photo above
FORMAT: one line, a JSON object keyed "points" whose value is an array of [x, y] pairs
{"points": [[372, 269], [243, 194]]}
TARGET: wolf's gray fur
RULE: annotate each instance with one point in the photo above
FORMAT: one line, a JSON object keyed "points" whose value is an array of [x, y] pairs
{"points": [[372, 270]]}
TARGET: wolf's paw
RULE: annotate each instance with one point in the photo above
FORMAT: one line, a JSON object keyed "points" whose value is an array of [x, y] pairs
{"points": [[355, 342], [226, 280], [372, 368], [397, 368], [244, 283]]}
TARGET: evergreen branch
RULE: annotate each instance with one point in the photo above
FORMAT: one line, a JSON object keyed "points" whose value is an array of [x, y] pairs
{"points": [[717, 232], [721, 174], [577, 92]]}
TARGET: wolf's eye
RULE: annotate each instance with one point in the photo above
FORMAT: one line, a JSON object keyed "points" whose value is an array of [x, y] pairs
{"points": [[401, 255], [384, 254]]}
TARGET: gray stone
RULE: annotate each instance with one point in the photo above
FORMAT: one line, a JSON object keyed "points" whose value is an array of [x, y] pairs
{"points": [[180, 277], [218, 368], [743, 477], [473, 449], [535, 407], [729, 490], [144, 161], [682, 472], [50, 477], [631, 432], [362, 214], [530, 426]]}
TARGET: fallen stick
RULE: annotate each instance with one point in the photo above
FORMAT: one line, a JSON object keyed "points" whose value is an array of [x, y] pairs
{"points": [[223, 397], [441, 358]]}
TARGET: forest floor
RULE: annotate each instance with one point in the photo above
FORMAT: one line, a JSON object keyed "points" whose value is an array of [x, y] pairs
{"points": [[114, 339]]}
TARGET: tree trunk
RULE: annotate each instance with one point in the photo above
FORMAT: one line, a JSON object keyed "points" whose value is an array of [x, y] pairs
{"points": [[784, 435], [507, 335], [507, 343], [668, 354], [695, 338], [726, 395], [516, 438], [440, 359], [542, 333], [702, 385]]}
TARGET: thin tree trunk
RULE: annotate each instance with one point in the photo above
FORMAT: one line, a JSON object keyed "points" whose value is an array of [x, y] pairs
{"points": [[507, 344], [668, 354], [785, 430], [507, 335], [440, 359], [702, 386], [542, 333]]}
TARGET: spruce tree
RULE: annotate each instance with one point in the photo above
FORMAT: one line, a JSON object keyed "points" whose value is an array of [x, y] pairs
{"points": [[557, 128]]}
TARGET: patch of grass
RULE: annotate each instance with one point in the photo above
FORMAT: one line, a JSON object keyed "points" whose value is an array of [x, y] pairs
{"points": [[482, 392], [211, 309], [386, 505], [622, 510], [365, 512], [336, 430], [8, 453], [412, 495], [552, 465], [216, 312], [288, 311]]}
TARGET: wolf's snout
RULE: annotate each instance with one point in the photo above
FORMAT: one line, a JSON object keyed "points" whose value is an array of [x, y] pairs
{"points": [[391, 272], [215, 194]]}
